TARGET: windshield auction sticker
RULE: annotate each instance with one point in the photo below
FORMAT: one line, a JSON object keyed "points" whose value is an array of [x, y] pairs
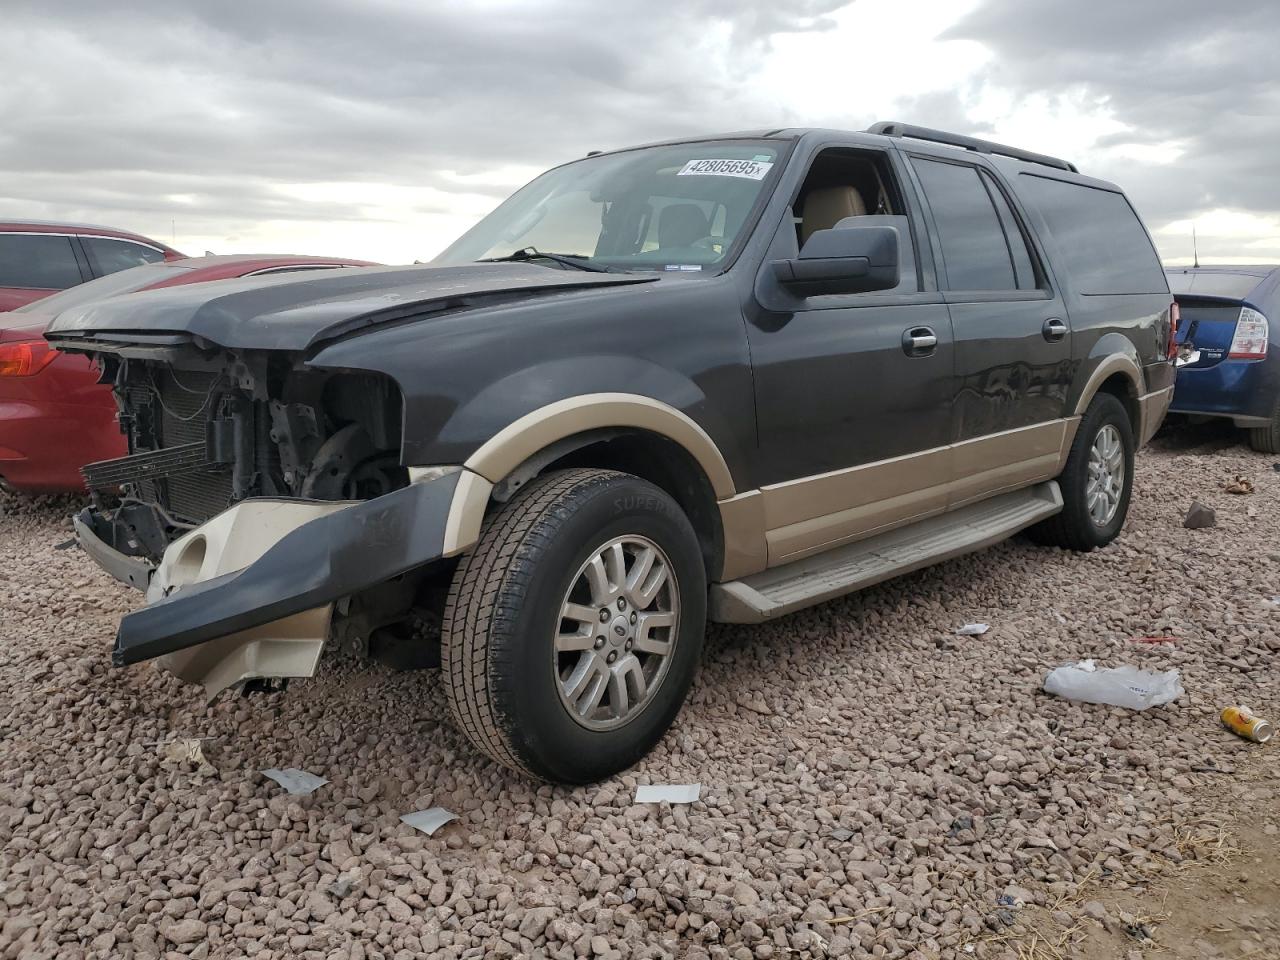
{"points": [[745, 169]]}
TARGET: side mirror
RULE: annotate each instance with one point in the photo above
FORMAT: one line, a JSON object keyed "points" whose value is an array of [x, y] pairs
{"points": [[844, 259]]}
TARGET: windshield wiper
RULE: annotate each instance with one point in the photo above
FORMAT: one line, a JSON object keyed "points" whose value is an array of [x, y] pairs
{"points": [[576, 260]]}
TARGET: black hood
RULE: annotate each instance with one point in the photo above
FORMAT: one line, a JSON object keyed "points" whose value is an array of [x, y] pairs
{"points": [[295, 311]]}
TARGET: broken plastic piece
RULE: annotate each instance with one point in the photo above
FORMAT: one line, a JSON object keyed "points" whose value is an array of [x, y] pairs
{"points": [[1239, 485], [1123, 686], [430, 820], [297, 782], [184, 749], [669, 792], [973, 629]]}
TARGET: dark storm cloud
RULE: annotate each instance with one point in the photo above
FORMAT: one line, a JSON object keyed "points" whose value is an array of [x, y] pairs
{"points": [[117, 108], [1197, 75]]}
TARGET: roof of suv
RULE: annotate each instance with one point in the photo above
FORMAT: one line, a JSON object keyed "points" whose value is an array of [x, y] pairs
{"points": [[1011, 158]]}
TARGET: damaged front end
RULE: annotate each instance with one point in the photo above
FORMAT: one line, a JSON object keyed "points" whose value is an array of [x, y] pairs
{"points": [[264, 510]]}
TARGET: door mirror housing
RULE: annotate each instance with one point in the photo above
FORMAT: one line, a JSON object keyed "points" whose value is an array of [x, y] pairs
{"points": [[848, 258]]}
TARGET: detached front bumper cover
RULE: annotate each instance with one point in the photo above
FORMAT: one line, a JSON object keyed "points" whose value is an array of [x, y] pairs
{"points": [[323, 560]]}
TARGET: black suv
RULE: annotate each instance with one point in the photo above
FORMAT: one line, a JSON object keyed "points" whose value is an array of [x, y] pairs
{"points": [[719, 378]]}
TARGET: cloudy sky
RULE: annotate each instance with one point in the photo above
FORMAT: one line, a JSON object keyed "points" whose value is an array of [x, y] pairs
{"points": [[382, 129]]}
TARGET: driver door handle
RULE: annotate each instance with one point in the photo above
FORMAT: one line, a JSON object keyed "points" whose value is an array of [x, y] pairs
{"points": [[919, 341], [1054, 329]]}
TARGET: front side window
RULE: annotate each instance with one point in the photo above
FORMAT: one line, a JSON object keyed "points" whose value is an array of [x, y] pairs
{"points": [[981, 248], [679, 206], [42, 261], [112, 255], [1102, 240]]}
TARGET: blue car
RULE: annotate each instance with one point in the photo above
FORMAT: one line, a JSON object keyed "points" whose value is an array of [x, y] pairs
{"points": [[1225, 366]]}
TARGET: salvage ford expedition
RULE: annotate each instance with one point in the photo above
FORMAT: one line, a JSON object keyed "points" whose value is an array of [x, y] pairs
{"points": [[722, 378]]}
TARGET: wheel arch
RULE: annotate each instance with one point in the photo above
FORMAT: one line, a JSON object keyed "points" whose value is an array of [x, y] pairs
{"points": [[630, 433], [1120, 375]]}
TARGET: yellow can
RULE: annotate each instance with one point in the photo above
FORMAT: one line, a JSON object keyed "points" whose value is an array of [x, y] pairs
{"points": [[1242, 721]]}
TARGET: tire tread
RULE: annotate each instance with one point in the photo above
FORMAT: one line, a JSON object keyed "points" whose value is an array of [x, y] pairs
{"points": [[485, 599]]}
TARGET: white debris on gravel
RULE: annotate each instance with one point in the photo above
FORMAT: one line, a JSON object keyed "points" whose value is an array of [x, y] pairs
{"points": [[947, 773], [668, 793], [973, 629], [297, 783], [1122, 686], [429, 821]]}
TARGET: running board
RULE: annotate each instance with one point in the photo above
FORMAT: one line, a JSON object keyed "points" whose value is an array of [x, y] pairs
{"points": [[842, 570]]}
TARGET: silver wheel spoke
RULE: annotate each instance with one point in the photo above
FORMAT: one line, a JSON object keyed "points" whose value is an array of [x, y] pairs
{"points": [[639, 572], [646, 642], [580, 613], [569, 642], [598, 579], [615, 562], [619, 696], [586, 685], [647, 591]]}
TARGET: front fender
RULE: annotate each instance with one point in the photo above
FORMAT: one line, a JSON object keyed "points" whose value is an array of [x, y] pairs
{"points": [[515, 417]]}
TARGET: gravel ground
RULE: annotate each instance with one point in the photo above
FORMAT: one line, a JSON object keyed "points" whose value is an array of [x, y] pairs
{"points": [[856, 760]]}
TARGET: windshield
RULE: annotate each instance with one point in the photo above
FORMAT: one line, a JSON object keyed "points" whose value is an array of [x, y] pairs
{"points": [[112, 285], [677, 207]]}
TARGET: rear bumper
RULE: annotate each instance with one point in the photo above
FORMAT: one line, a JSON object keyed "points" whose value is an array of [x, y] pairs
{"points": [[250, 593], [1243, 390], [43, 444]]}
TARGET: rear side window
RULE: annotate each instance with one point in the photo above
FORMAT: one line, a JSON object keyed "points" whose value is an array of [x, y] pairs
{"points": [[982, 247], [1102, 240], [38, 260], [112, 255]]}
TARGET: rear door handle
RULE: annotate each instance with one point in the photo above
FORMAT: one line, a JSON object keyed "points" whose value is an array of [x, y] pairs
{"points": [[1054, 329], [919, 341]]}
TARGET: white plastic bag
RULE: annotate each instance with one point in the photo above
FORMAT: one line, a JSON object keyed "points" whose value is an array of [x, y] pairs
{"points": [[1118, 686]]}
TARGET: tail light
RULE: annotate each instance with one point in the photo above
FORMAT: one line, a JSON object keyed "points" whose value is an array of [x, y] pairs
{"points": [[1250, 340], [1175, 318], [25, 358]]}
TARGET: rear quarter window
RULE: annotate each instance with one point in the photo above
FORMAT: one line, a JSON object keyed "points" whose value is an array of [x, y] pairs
{"points": [[1099, 236], [113, 255]]}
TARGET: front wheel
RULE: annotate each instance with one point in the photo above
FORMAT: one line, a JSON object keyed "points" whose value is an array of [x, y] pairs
{"points": [[1096, 482], [573, 629]]}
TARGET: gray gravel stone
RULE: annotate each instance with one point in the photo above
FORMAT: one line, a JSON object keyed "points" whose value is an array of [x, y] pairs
{"points": [[850, 767]]}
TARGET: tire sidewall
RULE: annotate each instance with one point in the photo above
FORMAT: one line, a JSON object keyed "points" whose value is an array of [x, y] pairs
{"points": [[1105, 410], [554, 744]]}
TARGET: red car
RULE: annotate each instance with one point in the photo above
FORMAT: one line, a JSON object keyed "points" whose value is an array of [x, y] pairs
{"points": [[38, 258], [54, 415]]}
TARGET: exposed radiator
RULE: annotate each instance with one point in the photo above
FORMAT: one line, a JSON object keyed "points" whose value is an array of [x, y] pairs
{"points": [[182, 404]]}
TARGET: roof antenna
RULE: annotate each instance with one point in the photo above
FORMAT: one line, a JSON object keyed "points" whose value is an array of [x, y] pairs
{"points": [[1195, 249]]}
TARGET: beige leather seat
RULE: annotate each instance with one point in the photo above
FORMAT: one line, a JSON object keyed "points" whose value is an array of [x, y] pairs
{"points": [[827, 206]]}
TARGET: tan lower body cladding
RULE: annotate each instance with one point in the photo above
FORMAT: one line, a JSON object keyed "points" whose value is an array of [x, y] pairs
{"points": [[787, 521]]}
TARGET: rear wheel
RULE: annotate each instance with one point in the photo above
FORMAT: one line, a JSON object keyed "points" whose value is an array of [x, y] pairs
{"points": [[1096, 482], [573, 629], [1267, 439]]}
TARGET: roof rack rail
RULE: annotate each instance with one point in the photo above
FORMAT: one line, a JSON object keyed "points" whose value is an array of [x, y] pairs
{"points": [[891, 128]]}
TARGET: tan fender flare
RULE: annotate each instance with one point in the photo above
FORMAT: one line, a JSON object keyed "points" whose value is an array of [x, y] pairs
{"points": [[538, 429], [1116, 363]]}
